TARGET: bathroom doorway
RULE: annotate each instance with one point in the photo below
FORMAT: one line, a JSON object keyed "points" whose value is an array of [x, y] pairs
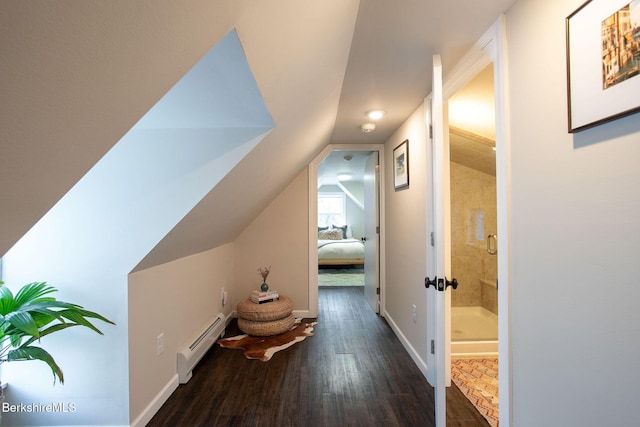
{"points": [[474, 241], [488, 51], [474, 249]]}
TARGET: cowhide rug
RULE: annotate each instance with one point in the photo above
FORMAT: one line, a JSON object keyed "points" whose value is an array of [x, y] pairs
{"points": [[263, 348]]}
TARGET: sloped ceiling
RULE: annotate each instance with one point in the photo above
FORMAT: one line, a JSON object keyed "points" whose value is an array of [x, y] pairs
{"points": [[77, 75]]}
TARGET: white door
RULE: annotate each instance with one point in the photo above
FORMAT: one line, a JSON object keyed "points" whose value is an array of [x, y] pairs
{"points": [[371, 232], [438, 328]]}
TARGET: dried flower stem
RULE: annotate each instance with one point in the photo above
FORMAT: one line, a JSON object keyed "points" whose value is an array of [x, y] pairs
{"points": [[264, 272]]}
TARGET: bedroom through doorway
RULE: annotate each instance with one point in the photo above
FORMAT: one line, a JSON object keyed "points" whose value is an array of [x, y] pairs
{"points": [[345, 207], [341, 219], [346, 241]]}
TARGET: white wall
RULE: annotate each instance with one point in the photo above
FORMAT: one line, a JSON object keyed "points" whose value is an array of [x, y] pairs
{"points": [[575, 240], [175, 299], [406, 220]]}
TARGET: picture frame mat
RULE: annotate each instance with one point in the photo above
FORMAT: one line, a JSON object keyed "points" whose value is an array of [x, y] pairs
{"points": [[589, 103]]}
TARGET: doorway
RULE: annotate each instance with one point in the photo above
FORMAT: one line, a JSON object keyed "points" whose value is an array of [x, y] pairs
{"points": [[345, 238], [490, 48], [474, 243], [474, 251]]}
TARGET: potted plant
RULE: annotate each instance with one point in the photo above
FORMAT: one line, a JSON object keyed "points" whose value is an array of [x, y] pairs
{"points": [[32, 314]]}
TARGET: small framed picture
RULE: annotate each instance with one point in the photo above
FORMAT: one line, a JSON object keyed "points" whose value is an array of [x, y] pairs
{"points": [[401, 165], [603, 62]]}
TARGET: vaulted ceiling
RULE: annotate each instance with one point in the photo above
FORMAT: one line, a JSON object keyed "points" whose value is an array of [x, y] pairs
{"points": [[76, 76]]}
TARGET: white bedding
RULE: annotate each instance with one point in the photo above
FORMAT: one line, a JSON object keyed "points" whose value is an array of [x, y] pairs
{"points": [[341, 250]]}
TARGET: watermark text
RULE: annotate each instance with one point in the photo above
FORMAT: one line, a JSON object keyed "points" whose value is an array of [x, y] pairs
{"points": [[39, 407]]}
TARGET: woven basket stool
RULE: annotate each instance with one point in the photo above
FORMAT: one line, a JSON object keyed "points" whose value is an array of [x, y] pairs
{"points": [[270, 318], [268, 328]]}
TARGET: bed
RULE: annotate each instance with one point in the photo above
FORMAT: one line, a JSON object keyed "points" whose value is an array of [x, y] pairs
{"points": [[337, 247]]}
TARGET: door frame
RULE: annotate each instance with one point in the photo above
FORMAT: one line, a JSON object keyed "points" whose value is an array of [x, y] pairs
{"points": [[371, 230], [313, 220], [491, 48]]}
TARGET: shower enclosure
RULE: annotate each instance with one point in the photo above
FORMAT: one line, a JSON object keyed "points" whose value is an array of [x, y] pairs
{"points": [[474, 250]]}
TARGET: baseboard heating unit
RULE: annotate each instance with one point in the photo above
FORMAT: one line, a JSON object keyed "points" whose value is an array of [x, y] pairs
{"points": [[192, 352]]}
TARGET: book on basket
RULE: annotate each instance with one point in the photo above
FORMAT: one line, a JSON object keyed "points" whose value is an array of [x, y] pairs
{"points": [[259, 297]]}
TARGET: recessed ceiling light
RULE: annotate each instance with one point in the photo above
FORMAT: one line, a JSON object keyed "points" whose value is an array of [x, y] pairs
{"points": [[368, 127], [376, 114]]}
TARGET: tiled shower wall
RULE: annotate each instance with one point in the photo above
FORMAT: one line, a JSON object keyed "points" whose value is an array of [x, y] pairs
{"points": [[473, 217]]}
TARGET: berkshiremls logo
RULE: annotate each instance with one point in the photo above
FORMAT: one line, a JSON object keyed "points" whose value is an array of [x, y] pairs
{"points": [[39, 407]]}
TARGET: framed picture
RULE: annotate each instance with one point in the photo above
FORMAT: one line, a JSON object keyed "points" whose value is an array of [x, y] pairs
{"points": [[603, 62], [401, 165]]}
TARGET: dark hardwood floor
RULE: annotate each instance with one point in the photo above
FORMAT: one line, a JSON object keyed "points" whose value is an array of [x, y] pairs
{"points": [[352, 372]]}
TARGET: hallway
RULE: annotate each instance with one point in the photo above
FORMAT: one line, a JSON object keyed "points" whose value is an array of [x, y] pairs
{"points": [[352, 372]]}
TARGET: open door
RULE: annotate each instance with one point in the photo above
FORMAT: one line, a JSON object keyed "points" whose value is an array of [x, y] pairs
{"points": [[438, 362], [371, 233], [489, 48], [439, 281]]}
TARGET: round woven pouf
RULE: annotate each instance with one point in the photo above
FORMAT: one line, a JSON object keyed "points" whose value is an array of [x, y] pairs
{"points": [[274, 310], [269, 318], [266, 328]]}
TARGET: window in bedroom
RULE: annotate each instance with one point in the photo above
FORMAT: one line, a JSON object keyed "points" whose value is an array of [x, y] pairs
{"points": [[331, 209]]}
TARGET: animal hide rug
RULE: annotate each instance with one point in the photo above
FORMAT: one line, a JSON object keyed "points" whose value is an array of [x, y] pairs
{"points": [[263, 348]]}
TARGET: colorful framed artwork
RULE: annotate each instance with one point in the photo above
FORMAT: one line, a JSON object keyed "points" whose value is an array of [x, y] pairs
{"points": [[603, 62]]}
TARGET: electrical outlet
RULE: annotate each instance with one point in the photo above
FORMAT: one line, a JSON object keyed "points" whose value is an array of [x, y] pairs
{"points": [[160, 344], [413, 313], [224, 297]]}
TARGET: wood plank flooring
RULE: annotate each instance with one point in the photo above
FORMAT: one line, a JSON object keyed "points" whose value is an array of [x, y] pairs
{"points": [[352, 372]]}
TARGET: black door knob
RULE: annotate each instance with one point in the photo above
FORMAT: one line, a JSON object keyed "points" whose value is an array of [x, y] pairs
{"points": [[428, 282]]}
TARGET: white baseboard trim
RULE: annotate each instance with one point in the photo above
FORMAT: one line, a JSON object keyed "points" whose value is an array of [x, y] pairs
{"points": [[407, 345], [300, 314], [154, 406]]}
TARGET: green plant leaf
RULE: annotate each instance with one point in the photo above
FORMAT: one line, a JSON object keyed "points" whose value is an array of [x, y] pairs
{"points": [[36, 353], [51, 329], [32, 292], [78, 316], [24, 322], [33, 314], [6, 300]]}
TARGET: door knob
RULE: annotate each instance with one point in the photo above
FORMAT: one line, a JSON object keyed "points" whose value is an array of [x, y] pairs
{"points": [[453, 283], [428, 282]]}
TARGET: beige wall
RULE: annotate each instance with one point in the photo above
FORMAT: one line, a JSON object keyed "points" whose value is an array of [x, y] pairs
{"points": [[472, 192], [575, 240], [278, 237], [176, 299], [405, 233]]}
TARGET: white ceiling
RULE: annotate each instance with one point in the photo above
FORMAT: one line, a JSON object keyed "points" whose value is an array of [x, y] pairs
{"points": [[77, 75], [341, 162], [390, 60]]}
